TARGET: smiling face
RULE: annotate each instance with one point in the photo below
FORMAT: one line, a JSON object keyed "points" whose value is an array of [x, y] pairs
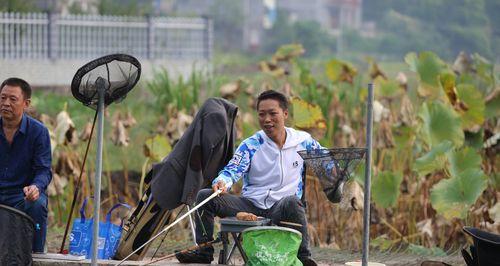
{"points": [[12, 103], [272, 119]]}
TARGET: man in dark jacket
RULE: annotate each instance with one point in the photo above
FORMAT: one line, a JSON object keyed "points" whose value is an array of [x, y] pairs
{"points": [[203, 150], [25, 157]]}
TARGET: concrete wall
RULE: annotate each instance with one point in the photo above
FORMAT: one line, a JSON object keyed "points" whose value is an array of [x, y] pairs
{"points": [[56, 73]]}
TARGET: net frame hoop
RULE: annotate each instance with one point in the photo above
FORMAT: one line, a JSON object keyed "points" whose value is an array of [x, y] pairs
{"points": [[82, 71], [333, 152]]}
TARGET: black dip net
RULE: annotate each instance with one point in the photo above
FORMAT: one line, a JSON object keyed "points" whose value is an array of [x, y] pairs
{"points": [[332, 167], [118, 72]]}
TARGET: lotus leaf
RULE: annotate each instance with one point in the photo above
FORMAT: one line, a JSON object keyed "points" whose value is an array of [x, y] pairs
{"points": [[448, 84], [386, 87], [440, 123], [404, 137], [156, 148], [484, 69], [453, 197], [340, 71], [306, 78], [385, 188], [307, 115], [473, 98], [492, 108], [272, 68], [463, 159], [429, 67], [434, 159], [289, 51]]}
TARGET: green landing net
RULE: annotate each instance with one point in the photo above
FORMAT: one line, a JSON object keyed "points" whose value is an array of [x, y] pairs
{"points": [[271, 245]]}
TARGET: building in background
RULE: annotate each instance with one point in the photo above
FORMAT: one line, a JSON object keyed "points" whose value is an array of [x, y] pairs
{"points": [[259, 15], [332, 15]]}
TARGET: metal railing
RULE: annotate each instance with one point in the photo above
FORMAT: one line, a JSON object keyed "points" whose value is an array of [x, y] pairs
{"points": [[49, 35]]}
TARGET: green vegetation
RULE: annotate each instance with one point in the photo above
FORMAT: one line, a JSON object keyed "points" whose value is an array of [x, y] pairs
{"points": [[124, 7], [450, 26], [18, 6], [430, 166], [315, 40], [181, 94]]}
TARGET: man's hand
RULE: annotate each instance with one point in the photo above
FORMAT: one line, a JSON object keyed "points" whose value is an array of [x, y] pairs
{"points": [[31, 193], [220, 185]]}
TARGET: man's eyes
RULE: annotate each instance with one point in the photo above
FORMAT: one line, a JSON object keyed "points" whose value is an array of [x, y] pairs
{"points": [[12, 99], [272, 113]]}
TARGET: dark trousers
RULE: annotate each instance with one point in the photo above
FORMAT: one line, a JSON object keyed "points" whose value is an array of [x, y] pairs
{"points": [[37, 210], [288, 209]]}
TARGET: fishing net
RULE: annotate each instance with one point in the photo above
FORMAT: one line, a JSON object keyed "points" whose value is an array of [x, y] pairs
{"points": [[118, 72], [333, 167]]}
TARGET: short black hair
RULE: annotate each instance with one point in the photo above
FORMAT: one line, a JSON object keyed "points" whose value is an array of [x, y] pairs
{"points": [[272, 94], [17, 82]]}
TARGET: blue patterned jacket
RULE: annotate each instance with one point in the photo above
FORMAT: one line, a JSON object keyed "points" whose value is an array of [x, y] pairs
{"points": [[269, 173]]}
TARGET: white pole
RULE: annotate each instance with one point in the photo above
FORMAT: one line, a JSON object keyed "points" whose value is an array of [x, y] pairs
{"points": [[97, 183]]}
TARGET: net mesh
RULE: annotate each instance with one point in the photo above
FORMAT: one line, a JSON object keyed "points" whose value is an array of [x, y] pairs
{"points": [[333, 167], [119, 73]]}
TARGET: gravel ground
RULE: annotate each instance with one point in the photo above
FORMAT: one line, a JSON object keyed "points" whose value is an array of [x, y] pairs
{"points": [[324, 256]]}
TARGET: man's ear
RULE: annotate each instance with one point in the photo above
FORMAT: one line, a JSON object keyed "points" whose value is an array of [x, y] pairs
{"points": [[285, 112], [27, 103]]}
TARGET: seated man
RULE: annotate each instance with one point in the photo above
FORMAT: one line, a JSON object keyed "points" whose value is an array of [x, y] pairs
{"points": [[25, 157], [272, 172]]}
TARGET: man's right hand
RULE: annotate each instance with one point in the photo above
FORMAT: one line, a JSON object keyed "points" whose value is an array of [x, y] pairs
{"points": [[31, 193], [220, 185]]}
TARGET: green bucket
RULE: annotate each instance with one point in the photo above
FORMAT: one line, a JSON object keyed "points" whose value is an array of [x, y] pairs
{"points": [[271, 245]]}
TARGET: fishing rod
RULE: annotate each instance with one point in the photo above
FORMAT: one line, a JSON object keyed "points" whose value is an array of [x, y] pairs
{"points": [[215, 194], [77, 187]]}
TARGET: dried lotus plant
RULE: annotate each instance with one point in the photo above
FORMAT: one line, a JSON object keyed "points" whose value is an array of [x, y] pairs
{"points": [[121, 124], [65, 131]]}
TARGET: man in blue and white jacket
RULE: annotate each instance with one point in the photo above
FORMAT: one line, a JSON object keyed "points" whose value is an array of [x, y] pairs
{"points": [[272, 172]]}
